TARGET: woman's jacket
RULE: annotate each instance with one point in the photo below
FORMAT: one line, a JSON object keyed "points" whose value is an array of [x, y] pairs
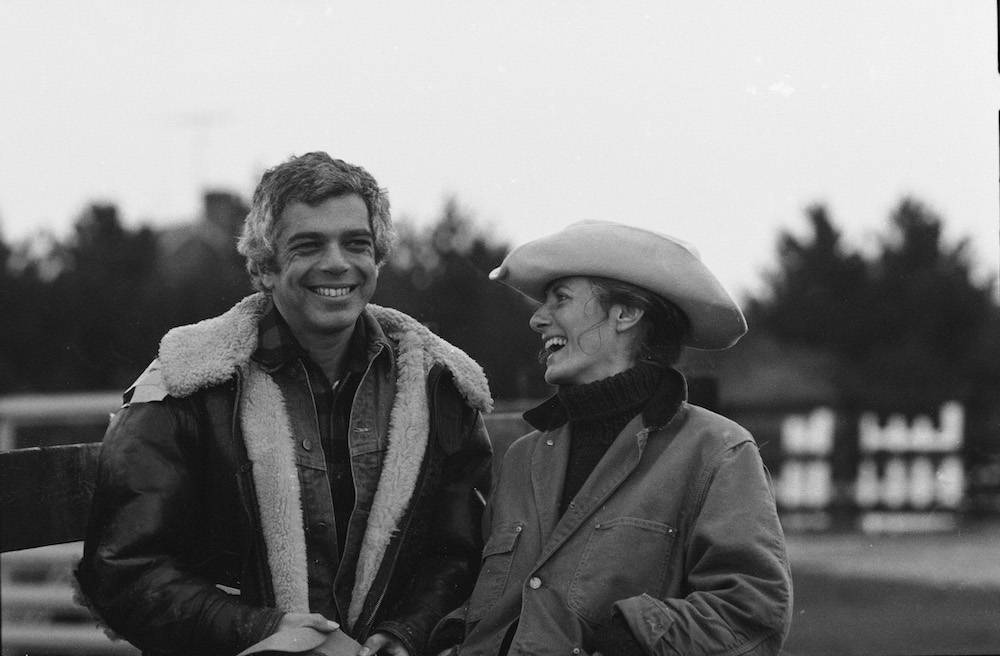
{"points": [[675, 531]]}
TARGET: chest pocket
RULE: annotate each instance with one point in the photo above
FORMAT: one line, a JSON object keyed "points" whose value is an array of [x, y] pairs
{"points": [[624, 557], [497, 557]]}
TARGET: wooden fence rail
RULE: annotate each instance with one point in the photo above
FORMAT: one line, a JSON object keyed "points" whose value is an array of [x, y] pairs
{"points": [[45, 492], [45, 495]]}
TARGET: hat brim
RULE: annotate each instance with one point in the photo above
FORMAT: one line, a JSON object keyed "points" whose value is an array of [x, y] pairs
{"points": [[659, 263]]}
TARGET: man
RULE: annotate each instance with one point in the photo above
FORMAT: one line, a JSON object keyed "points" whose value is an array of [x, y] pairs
{"points": [[305, 459]]}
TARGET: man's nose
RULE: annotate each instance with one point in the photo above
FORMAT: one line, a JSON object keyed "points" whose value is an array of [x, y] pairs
{"points": [[333, 259]]}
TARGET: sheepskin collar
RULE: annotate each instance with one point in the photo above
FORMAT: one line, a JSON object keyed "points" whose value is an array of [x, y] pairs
{"points": [[210, 352]]}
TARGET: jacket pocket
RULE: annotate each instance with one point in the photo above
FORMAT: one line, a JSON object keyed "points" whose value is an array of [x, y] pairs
{"points": [[497, 557], [624, 557]]}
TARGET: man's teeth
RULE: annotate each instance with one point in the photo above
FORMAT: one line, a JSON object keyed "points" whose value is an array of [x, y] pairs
{"points": [[555, 343], [332, 291]]}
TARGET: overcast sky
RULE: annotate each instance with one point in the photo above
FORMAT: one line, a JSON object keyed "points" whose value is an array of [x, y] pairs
{"points": [[718, 122]]}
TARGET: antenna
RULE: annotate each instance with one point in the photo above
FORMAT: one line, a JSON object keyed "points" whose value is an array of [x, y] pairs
{"points": [[201, 124]]}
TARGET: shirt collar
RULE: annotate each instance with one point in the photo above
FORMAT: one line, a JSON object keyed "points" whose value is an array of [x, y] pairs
{"points": [[277, 345]]}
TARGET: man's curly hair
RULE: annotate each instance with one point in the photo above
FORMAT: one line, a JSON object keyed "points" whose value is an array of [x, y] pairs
{"points": [[311, 179]]}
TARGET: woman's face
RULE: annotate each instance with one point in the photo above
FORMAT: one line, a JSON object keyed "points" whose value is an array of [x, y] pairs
{"points": [[582, 345]]}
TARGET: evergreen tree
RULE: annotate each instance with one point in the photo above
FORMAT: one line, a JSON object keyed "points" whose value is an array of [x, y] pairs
{"points": [[23, 296], [815, 295], [96, 315], [908, 327], [440, 276], [928, 319]]}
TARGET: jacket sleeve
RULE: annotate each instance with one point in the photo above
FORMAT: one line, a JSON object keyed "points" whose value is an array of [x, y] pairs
{"points": [[450, 560], [142, 536], [737, 570]]}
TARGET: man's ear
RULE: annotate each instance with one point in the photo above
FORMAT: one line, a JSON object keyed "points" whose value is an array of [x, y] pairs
{"points": [[625, 317], [267, 278]]}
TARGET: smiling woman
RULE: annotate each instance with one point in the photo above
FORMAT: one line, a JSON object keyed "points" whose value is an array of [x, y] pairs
{"points": [[611, 308], [621, 463], [584, 342]]}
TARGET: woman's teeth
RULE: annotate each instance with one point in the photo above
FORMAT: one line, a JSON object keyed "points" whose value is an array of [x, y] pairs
{"points": [[553, 344]]}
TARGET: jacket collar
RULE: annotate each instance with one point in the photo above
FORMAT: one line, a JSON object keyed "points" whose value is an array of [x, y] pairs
{"points": [[212, 351], [666, 400]]}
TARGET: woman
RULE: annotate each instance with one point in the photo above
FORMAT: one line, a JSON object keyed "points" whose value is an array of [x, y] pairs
{"points": [[629, 522]]}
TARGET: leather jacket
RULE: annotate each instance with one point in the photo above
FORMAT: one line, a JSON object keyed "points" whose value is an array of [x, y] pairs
{"points": [[182, 555]]}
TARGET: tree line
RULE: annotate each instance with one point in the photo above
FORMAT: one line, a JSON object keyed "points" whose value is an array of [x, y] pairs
{"points": [[905, 326]]}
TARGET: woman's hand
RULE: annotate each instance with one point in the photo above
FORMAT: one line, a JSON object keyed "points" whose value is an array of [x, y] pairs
{"points": [[312, 620], [383, 643]]}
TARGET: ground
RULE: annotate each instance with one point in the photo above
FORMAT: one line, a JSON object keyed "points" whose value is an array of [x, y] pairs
{"points": [[907, 594]]}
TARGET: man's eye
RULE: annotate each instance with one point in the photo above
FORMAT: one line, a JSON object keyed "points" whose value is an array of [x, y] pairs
{"points": [[359, 245]]}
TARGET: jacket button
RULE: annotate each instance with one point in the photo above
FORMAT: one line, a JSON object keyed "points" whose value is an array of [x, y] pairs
{"points": [[549, 442], [307, 445], [534, 583], [518, 529], [576, 650]]}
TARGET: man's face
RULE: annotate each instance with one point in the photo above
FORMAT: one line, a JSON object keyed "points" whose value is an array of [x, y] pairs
{"points": [[326, 271]]}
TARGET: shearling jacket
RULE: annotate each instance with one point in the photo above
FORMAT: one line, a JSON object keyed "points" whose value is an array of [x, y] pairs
{"points": [[675, 531], [207, 499]]}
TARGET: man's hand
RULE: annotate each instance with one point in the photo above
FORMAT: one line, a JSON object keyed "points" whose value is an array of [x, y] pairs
{"points": [[313, 620], [382, 643]]}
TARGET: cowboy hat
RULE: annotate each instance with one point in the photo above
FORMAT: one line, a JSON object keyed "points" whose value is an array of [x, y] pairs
{"points": [[659, 263]]}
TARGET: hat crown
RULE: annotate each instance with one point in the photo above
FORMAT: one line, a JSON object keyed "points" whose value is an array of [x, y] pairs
{"points": [[636, 231]]}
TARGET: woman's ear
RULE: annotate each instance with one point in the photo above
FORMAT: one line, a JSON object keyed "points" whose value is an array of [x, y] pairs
{"points": [[625, 317]]}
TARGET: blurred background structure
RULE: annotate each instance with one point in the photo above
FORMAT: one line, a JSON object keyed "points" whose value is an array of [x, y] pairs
{"points": [[835, 162]]}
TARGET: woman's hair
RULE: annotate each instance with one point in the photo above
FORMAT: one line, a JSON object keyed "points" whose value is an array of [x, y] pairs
{"points": [[311, 179], [664, 326]]}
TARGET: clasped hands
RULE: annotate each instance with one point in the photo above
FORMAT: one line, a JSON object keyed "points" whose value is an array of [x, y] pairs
{"points": [[377, 643]]}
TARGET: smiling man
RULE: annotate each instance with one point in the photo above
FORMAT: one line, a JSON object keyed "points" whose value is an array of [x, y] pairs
{"points": [[306, 459]]}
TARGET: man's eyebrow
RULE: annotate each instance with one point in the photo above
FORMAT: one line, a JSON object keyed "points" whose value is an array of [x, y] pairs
{"points": [[304, 236], [315, 234], [359, 232]]}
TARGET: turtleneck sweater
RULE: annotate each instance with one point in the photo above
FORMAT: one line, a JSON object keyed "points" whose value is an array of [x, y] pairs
{"points": [[597, 413]]}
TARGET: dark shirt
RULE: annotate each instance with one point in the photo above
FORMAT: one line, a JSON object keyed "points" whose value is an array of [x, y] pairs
{"points": [[276, 344]]}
